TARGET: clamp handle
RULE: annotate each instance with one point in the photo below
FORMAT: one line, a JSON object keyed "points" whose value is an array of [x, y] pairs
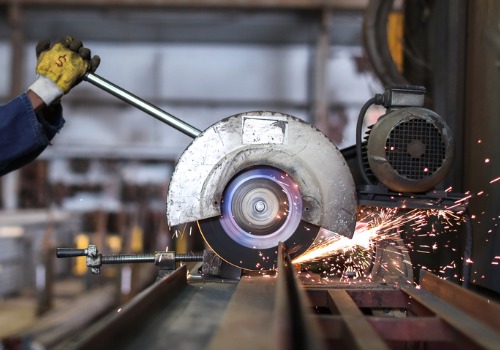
{"points": [[70, 252]]}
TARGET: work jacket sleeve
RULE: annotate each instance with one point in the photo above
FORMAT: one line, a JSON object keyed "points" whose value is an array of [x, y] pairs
{"points": [[24, 134]]}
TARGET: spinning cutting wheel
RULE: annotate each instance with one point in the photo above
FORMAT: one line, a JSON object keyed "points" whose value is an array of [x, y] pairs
{"points": [[261, 207]]}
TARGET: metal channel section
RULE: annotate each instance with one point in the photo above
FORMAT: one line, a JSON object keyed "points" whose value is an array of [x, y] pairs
{"points": [[269, 312], [261, 311], [108, 332], [279, 310]]}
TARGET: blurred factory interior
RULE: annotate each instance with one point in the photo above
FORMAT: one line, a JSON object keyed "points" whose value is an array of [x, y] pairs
{"points": [[104, 179]]}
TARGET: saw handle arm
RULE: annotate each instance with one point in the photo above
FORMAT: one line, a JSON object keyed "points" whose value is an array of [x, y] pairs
{"points": [[141, 104]]}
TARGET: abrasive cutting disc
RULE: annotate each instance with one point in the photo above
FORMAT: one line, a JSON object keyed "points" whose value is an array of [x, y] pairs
{"points": [[261, 207]]}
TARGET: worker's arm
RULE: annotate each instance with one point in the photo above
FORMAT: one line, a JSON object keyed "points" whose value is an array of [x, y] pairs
{"points": [[24, 134], [29, 122], [36, 101]]}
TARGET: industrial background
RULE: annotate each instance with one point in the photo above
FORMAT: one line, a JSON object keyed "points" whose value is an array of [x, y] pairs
{"points": [[105, 178]]}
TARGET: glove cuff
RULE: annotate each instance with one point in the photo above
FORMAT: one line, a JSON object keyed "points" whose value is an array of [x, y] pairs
{"points": [[46, 89]]}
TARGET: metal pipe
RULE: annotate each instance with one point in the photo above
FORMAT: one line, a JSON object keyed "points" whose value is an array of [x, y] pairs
{"points": [[144, 106]]}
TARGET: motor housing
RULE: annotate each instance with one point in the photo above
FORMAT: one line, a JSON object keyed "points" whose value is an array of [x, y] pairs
{"points": [[410, 149]]}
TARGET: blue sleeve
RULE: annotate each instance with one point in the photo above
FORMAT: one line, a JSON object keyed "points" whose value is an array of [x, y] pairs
{"points": [[24, 134]]}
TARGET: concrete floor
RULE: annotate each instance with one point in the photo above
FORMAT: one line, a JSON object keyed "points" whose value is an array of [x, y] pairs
{"points": [[19, 313], [16, 315], [78, 302]]}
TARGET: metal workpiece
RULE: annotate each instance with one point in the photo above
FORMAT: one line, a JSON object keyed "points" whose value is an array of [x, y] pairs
{"points": [[269, 312], [279, 310], [141, 104], [117, 327], [295, 327], [257, 312]]}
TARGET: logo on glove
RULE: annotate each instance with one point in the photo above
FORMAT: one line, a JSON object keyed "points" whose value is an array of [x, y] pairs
{"points": [[59, 61]]}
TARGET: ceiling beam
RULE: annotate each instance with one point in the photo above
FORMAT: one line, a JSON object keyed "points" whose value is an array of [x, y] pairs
{"points": [[242, 4]]}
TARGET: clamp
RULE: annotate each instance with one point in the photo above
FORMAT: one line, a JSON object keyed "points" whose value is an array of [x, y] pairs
{"points": [[165, 260]]}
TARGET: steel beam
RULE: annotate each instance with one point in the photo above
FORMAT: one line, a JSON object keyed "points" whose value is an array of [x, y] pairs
{"points": [[478, 333], [359, 334], [412, 329], [293, 324], [245, 324], [463, 299], [107, 333], [269, 312], [244, 4]]}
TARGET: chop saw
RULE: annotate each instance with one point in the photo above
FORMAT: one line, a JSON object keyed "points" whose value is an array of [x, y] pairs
{"points": [[253, 180]]}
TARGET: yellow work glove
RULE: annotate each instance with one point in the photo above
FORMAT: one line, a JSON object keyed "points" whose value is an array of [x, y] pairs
{"points": [[61, 67]]}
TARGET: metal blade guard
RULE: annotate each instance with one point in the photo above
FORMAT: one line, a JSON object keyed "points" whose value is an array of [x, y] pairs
{"points": [[256, 179]]}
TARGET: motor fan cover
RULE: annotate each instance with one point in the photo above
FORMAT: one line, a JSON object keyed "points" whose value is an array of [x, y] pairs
{"points": [[410, 149]]}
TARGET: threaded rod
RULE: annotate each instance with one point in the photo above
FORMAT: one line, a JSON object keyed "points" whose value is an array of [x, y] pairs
{"points": [[189, 257], [128, 258], [146, 258]]}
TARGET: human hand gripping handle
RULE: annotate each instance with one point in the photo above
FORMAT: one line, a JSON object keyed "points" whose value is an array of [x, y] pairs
{"points": [[61, 67]]}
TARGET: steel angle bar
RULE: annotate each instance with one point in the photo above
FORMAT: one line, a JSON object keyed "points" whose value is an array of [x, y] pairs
{"points": [[360, 333], [269, 312], [294, 326], [390, 329], [480, 334], [364, 298], [379, 298], [482, 309], [245, 323], [412, 329], [144, 106], [128, 319]]}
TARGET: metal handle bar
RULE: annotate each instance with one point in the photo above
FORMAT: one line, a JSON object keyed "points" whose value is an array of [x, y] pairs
{"points": [[70, 252], [144, 106]]}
